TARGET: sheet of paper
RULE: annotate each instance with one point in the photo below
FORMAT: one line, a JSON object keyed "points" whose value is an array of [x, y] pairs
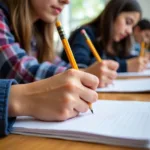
{"points": [[148, 66], [113, 122], [127, 85], [136, 74]]}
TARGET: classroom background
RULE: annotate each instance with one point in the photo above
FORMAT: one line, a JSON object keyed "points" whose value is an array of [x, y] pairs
{"points": [[118, 98], [80, 12]]}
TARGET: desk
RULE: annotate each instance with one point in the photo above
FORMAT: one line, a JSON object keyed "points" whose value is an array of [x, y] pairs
{"points": [[19, 142]]}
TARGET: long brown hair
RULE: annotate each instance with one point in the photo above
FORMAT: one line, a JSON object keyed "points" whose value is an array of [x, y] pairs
{"points": [[24, 29], [104, 24]]}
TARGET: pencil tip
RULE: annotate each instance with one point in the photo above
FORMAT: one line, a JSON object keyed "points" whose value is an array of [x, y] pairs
{"points": [[92, 111]]}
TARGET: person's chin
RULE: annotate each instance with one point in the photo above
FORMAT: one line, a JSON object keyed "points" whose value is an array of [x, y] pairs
{"points": [[50, 19]]}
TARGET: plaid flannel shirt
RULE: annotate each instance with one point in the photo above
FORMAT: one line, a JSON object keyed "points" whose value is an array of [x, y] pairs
{"points": [[14, 61]]}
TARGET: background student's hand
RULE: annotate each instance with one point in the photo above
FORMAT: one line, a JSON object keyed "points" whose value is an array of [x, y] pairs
{"points": [[137, 64], [105, 71], [58, 98]]}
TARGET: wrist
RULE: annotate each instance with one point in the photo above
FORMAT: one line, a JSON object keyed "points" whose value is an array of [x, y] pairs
{"points": [[18, 101]]}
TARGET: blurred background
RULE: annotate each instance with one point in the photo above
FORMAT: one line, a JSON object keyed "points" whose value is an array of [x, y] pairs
{"points": [[79, 12]]}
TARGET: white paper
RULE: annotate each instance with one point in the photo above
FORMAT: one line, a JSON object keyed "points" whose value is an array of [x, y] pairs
{"points": [[148, 66], [127, 85], [136, 74], [113, 122]]}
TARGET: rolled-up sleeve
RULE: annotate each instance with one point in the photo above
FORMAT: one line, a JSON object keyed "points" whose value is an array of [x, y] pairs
{"points": [[5, 121]]}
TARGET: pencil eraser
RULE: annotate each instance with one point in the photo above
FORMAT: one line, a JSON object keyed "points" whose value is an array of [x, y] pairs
{"points": [[83, 31]]}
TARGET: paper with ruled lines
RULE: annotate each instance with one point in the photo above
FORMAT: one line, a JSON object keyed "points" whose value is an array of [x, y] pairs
{"points": [[124, 123]]}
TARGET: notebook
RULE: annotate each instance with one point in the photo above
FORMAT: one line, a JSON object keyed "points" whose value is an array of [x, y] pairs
{"points": [[127, 85], [134, 74], [124, 123]]}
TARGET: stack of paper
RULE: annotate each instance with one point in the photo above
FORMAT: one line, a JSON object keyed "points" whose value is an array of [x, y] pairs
{"points": [[128, 85], [113, 122]]}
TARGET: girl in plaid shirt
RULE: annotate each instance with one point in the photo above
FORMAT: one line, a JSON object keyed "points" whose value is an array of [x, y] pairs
{"points": [[26, 43], [57, 98]]}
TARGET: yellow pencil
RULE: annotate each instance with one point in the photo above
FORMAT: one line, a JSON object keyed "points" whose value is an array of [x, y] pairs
{"points": [[91, 46], [68, 50], [142, 50]]}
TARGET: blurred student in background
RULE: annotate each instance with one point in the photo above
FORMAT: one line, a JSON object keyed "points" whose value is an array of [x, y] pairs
{"points": [[111, 33], [141, 33]]}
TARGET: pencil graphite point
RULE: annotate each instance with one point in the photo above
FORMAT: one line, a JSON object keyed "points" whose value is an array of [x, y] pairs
{"points": [[92, 111]]}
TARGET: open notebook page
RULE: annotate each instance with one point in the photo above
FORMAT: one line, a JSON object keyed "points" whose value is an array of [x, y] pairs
{"points": [[127, 85], [136, 74], [113, 122]]}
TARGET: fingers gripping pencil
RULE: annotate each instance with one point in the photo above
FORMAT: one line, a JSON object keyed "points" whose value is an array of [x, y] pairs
{"points": [[68, 50]]}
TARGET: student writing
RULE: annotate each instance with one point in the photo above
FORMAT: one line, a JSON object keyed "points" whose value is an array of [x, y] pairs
{"points": [[110, 33], [141, 33]]}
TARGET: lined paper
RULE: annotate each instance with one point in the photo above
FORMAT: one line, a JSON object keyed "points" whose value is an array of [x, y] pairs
{"points": [[113, 122]]}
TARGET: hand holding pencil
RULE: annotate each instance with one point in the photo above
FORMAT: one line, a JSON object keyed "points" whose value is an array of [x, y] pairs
{"points": [[138, 64], [68, 51], [105, 70]]}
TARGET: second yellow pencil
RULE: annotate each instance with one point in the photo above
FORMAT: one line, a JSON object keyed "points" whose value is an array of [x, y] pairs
{"points": [[91, 46]]}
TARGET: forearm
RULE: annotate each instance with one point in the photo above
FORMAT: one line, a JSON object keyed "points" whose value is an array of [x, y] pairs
{"points": [[18, 100], [23, 98]]}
